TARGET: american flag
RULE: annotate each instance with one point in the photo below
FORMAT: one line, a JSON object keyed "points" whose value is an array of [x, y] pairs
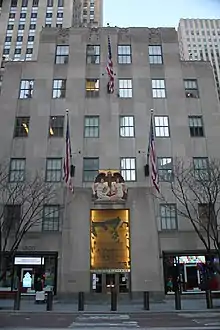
{"points": [[152, 157], [67, 165], [109, 69]]}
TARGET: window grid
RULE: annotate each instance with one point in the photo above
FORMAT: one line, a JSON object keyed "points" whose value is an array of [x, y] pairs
{"points": [[165, 168], [196, 126], [168, 216], [201, 167], [158, 88], [93, 54], [90, 169], [62, 54], [17, 170], [56, 126], [53, 169], [59, 88], [91, 126], [92, 87], [162, 126], [51, 218], [21, 126], [26, 89], [124, 54], [126, 126], [191, 88], [155, 54], [128, 168], [125, 88]]}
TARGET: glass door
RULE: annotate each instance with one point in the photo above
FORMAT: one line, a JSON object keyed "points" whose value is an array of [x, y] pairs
{"points": [[110, 281]]}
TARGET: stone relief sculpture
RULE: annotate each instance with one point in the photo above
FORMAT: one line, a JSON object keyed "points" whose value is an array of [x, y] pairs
{"points": [[109, 186]]}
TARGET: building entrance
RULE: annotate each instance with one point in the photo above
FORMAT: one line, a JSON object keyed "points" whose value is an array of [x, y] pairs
{"points": [[104, 283]]}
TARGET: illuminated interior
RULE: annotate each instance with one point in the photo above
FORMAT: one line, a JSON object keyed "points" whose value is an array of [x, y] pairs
{"points": [[110, 240]]}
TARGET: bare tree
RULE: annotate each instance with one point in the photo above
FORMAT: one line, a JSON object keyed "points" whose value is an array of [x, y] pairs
{"points": [[197, 195], [21, 208]]}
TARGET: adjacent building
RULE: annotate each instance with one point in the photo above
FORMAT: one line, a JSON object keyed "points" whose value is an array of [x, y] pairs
{"points": [[111, 231], [199, 40]]}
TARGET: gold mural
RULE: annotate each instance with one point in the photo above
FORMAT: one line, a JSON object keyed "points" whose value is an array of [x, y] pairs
{"points": [[110, 242]]}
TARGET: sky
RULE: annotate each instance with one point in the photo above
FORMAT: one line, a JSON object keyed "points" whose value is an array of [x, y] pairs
{"points": [[157, 13]]}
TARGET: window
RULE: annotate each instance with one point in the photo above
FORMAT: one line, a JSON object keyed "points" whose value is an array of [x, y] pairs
{"points": [[53, 169], [56, 126], [24, 3], [206, 213], [90, 169], [125, 88], [17, 50], [162, 126], [165, 169], [35, 3], [6, 51], [49, 3], [32, 26], [168, 216], [30, 38], [11, 15], [59, 26], [26, 89], [59, 88], [62, 54], [14, 3], [158, 88], [124, 54], [8, 39], [92, 87], [19, 38], [155, 55], [49, 15], [91, 126], [23, 15], [196, 126], [93, 54], [126, 126], [201, 167], [128, 168], [21, 26], [34, 15], [10, 27], [59, 15], [191, 88], [29, 51], [17, 170], [51, 218], [12, 217], [60, 3], [21, 126]]}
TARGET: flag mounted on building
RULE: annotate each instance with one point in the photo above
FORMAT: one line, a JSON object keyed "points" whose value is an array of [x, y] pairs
{"points": [[152, 159], [109, 69], [68, 167]]}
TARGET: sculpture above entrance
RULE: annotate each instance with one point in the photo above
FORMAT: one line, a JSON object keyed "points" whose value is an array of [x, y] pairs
{"points": [[109, 186]]}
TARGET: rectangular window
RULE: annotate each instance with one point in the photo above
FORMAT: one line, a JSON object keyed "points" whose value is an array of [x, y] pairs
{"points": [[59, 88], [91, 126], [93, 54], [201, 167], [62, 54], [26, 89], [168, 216], [124, 54], [92, 87], [14, 3], [162, 126], [125, 88], [17, 170], [196, 126], [126, 126], [128, 168], [6, 51], [49, 3], [51, 218], [35, 3], [60, 3], [34, 15], [24, 3], [56, 126], [53, 169], [90, 169], [32, 26], [158, 88], [155, 54], [165, 169], [21, 127], [206, 214], [21, 26], [12, 217], [191, 88], [12, 15]]}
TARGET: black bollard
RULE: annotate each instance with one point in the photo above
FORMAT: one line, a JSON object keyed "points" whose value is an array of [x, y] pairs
{"points": [[177, 300], [49, 300], [146, 301], [208, 297], [17, 300], [113, 300], [81, 301]]}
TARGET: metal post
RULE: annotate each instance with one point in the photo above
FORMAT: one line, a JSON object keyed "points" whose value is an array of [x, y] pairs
{"points": [[146, 301], [49, 300], [208, 297], [177, 300], [17, 299], [81, 301], [113, 300]]}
